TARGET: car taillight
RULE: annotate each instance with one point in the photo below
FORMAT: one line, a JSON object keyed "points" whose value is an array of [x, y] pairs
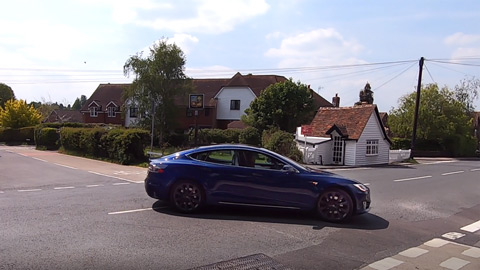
{"points": [[156, 168]]}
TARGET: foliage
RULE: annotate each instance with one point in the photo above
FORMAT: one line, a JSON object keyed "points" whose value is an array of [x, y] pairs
{"points": [[442, 119], [210, 136], [159, 78], [366, 95], [250, 136], [46, 138], [400, 143], [17, 114], [285, 105], [467, 91], [79, 102], [14, 136], [281, 142], [6, 93], [124, 146]]}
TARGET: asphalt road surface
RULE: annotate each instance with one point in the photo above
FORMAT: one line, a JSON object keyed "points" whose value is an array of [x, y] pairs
{"points": [[62, 212]]}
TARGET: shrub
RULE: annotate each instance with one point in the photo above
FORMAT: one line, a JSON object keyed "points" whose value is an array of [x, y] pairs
{"points": [[250, 136], [281, 142], [46, 138], [400, 143], [14, 136]]}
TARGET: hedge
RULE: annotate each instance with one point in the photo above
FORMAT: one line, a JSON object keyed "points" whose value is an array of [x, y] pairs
{"points": [[46, 138], [15, 136]]}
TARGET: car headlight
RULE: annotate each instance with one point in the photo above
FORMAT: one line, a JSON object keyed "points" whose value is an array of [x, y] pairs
{"points": [[361, 187]]}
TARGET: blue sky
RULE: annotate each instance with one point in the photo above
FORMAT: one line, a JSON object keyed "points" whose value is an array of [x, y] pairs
{"points": [[55, 51]]}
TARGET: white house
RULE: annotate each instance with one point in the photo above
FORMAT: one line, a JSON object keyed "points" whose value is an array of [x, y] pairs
{"points": [[353, 136]]}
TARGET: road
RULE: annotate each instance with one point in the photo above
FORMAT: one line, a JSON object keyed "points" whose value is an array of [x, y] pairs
{"points": [[62, 212]]}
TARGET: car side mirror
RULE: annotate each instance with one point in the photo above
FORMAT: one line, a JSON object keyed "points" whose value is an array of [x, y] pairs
{"points": [[288, 168]]}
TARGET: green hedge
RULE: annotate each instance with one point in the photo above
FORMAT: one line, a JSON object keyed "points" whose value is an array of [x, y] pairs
{"points": [[281, 142], [46, 138], [124, 146], [14, 136]]}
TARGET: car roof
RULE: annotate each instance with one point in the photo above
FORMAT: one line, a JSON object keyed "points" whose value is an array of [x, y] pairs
{"points": [[226, 146]]}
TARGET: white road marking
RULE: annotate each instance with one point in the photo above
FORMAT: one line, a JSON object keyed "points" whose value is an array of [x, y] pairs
{"points": [[413, 252], [454, 263], [116, 177], [117, 184], [449, 173], [474, 170], [88, 186], [58, 188], [472, 227], [350, 169], [472, 252], [1, 192], [413, 178], [453, 235], [28, 190], [65, 166], [436, 242], [39, 159], [135, 210], [366, 184], [385, 264], [438, 162]]}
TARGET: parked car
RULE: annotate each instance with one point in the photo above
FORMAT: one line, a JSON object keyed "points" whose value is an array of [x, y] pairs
{"points": [[253, 177]]}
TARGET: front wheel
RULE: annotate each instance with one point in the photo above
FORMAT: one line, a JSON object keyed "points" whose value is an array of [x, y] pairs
{"points": [[187, 196], [335, 205]]}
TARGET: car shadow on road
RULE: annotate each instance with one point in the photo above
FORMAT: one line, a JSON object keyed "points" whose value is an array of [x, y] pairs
{"points": [[361, 222]]}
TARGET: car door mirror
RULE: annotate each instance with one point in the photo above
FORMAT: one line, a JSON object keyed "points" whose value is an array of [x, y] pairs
{"points": [[288, 168]]}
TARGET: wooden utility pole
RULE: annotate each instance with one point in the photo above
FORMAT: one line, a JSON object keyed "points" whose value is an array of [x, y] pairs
{"points": [[417, 105]]}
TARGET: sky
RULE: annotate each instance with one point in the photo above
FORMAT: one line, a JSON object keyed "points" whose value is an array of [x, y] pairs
{"points": [[56, 51]]}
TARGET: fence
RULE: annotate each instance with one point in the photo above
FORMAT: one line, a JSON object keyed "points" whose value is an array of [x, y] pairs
{"points": [[399, 155]]}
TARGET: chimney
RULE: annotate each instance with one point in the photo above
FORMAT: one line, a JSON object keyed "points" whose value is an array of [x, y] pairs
{"points": [[336, 101]]}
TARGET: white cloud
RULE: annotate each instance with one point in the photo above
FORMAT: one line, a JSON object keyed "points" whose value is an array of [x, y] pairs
{"points": [[315, 48], [461, 39], [184, 41], [201, 16]]}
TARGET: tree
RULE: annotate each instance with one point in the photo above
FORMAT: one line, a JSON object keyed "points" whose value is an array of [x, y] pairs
{"points": [[6, 93], [285, 105], [366, 95], [467, 91], [18, 114], [442, 120], [76, 105], [159, 78]]}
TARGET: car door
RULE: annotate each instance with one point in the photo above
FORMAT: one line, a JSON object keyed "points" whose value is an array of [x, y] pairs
{"points": [[271, 185]]}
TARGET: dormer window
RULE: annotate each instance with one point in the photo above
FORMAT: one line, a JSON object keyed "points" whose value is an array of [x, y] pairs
{"points": [[235, 104], [111, 111], [93, 112]]}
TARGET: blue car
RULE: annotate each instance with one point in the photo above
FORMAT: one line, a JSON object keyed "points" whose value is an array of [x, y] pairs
{"points": [[254, 177]]}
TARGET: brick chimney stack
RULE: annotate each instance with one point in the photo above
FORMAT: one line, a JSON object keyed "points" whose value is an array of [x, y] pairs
{"points": [[336, 101]]}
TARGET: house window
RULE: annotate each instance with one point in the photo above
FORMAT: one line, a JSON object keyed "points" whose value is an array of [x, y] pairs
{"points": [[372, 147], [133, 112], [234, 104], [111, 111], [93, 112]]}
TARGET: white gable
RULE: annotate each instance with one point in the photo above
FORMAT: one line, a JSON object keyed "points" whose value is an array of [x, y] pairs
{"points": [[224, 97]]}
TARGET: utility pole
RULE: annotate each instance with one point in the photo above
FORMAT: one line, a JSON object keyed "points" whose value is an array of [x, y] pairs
{"points": [[417, 105]]}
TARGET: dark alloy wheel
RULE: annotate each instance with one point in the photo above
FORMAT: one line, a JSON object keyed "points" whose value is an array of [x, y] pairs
{"points": [[335, 205], [186, 196]]}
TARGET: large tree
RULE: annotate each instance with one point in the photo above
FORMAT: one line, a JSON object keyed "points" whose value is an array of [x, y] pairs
{"points": [[442, 120], [6, 93], [79, 102], [18, 114], [285, 105], [159, 78]]}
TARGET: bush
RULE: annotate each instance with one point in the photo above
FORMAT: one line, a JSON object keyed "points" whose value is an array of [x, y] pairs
{"points": [[400, 143], [47, 138], [210, 136], [15, 136], [250, 136], [281, 142]]}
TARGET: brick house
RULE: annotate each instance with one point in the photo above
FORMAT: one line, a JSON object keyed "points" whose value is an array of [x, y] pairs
{"points": [[225, 100], [64, 116]]}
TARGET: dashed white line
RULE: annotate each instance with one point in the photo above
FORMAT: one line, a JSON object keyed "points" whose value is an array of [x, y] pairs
{"points": [[89, 186], [28, 190], [351, 169], [413, 178], [1, 192], [118, 184], [136, 210], [437, 162], [472, 227], [474, 170], [65, 166], [450, 173], [39, 159], [58, 188]]}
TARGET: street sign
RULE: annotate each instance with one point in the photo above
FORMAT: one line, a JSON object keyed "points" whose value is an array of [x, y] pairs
{"points": [[196, 101]]}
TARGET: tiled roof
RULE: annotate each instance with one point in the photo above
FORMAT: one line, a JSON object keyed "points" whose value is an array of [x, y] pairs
{"points": [[63, 116], [350, 120], [104, 94]]}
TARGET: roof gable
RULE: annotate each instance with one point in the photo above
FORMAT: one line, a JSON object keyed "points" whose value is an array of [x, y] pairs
{"points": [[106, 93]]}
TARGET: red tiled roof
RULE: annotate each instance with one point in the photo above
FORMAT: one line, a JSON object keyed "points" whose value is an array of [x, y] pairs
{"points": [[104, 94], [64, 116], [237, 125], [351, 120]]}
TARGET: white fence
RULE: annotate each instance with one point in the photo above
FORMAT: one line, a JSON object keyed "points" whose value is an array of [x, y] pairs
{"points": [[399, 155]]}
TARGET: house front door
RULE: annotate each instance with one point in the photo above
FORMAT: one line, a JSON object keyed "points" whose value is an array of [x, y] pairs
{"points": [[337, 150]]}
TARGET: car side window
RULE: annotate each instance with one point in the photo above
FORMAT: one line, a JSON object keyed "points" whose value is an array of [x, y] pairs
{"points": [[216, 156], [258, 160]]}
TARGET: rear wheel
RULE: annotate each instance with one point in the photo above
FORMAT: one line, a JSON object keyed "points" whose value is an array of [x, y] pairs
{"points": [[335, 205], [187, 196]]}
